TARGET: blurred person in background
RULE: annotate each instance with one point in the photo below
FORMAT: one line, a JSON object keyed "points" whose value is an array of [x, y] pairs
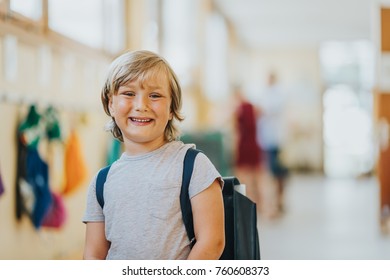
{"points": [[270, 134], [248, 155]]}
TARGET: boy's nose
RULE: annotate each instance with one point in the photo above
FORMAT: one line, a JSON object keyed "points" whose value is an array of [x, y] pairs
{"points": [[141, 104]]}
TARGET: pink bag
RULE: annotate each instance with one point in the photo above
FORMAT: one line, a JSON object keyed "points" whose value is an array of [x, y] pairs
{"points": [[56, 215]]}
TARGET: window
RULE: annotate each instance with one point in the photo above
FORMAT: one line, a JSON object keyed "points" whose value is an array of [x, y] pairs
{"points": [[114, 22], [80, 20], [179, 32], [98, 24], [216, 58], [31, 9]]}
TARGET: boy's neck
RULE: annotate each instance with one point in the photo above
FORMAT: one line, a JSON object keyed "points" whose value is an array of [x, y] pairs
{"points": [[134, 148]]}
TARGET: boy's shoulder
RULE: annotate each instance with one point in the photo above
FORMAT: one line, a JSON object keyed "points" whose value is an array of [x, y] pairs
{"points": [[179, 146]]}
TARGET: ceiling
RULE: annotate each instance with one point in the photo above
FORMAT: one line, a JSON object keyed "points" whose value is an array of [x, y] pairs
{"points": [[273, 23]]}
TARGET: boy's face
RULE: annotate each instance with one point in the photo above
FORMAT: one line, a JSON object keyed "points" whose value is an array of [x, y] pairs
{"points": [[142, 111]]}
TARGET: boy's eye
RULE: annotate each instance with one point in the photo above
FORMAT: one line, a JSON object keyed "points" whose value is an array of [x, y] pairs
{"points": [[128, 93], [155, 95]]}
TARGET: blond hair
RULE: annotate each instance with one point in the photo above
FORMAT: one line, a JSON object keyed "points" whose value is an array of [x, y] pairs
{"points": [[141, 65]]}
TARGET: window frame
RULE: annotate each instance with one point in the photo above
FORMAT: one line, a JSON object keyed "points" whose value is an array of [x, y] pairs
{"points": [[23, 21], [41, 27]]}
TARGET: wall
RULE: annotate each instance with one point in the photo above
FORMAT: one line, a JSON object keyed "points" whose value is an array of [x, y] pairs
{"points": [[75, 77]]}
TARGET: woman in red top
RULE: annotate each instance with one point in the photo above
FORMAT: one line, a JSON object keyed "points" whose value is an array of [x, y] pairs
{"points": [[248, 158]]}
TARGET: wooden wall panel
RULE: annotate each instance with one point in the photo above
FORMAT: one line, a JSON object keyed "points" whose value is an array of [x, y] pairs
{"points": [[382, 107], [385, 29]]}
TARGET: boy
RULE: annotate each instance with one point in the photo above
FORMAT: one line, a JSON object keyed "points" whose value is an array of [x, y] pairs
{"points": [[141, 218]]}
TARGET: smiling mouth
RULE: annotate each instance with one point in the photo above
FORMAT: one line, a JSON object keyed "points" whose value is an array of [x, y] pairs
{"points": [[140, 120]]}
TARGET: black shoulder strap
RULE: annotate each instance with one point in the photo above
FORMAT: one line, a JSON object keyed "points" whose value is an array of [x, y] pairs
{"points": [[185, 202], [100, 180]]}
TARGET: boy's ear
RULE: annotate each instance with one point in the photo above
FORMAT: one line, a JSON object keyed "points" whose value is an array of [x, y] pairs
{"points": [[111, 107]]}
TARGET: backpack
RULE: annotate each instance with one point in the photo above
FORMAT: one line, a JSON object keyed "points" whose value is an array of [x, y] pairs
{"points": [[241, 234]]}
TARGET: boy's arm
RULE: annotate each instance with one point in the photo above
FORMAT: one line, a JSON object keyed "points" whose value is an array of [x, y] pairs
{"points": [[96, 245], [209, 227]]}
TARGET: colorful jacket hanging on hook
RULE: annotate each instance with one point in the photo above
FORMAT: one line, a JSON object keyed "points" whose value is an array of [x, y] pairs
{"points": [[33, 194], [53, 130], [76, 171], [57, 214], [32, 189]]}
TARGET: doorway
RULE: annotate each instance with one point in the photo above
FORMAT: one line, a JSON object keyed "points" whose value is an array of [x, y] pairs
{"points": [[348, 71]]}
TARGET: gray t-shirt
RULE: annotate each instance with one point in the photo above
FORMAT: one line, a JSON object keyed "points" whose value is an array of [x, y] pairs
{"points": [[142, 212]]}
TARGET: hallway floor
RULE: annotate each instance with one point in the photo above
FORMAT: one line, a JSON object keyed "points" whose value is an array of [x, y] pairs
{"points": [[326, 219]]}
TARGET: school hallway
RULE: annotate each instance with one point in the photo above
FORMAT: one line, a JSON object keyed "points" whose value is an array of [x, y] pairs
{"points": [[326, 219]]}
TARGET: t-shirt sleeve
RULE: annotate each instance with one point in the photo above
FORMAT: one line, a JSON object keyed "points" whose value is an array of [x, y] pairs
{"points": [[203, 175], [93, 211]]}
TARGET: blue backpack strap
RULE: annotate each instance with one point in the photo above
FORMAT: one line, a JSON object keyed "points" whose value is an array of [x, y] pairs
{"points": [[185, 202], [100, 180]]}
